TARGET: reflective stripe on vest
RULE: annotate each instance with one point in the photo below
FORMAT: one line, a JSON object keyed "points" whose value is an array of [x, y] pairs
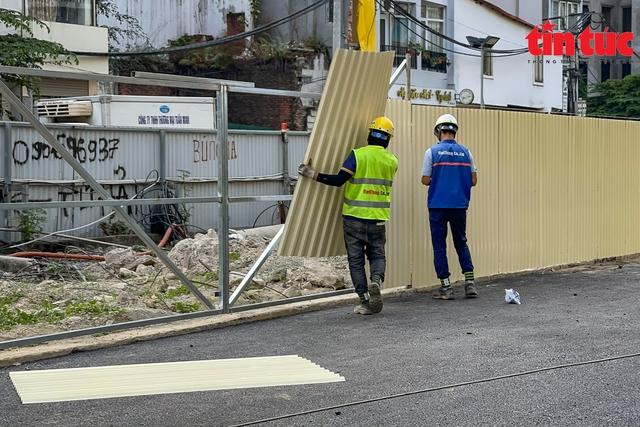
{"points": [[362, 204], [368, 193], [372, 181]]}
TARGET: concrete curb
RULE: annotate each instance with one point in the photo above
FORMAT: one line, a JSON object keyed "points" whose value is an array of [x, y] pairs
{"points": [[17, 356]]}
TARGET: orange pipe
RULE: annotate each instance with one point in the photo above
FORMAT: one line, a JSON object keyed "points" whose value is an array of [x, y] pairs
{"points": [[57, 255], [36, 254], [166, 237]]}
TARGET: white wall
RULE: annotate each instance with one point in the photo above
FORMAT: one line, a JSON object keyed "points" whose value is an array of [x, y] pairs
{"points": [[164, 20], [11, 5], [314, 24], [77, 38], [512, 82]]}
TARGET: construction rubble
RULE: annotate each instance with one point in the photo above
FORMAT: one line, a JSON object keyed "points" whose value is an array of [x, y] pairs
{"points": [[45, 296]]}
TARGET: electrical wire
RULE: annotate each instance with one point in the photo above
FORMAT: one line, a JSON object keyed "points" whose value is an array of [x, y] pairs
{"points": [[216, 42], [474, 55], [104, 218], [491, 52], [261, 213], [444, 387], [399, 10]]}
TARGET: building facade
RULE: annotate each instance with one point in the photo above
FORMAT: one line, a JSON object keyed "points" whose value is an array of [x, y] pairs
{"points": [[509, 80], [73, 24], [164, 20], [621, 16]]}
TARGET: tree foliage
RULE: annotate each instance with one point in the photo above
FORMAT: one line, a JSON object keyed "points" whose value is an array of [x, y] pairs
{"points": [[620, 98], [26, 51], [128, 27]]}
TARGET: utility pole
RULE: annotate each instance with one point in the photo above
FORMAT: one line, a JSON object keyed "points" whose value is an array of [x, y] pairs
{"points": [[407, 69], [337, 26], [484, 44], [482, 53]]}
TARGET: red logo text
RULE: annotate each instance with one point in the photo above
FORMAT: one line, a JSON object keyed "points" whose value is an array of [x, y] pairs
{"points": [[590, 43]]}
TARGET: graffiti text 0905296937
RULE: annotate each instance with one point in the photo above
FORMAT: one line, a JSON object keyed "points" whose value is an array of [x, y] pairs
{"points": [[99, 149]]}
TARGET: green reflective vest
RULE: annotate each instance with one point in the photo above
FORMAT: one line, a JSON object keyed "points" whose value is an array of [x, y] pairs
{"points": [[368, 193]]}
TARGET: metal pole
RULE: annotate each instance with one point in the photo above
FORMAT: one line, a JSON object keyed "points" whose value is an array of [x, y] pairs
{"points": [[337, 26], [255, 267], [223, 194], [90, 180], [397, 72], [407, 68], [6, 186], [286, 179], [162, 170], [482, 53]]}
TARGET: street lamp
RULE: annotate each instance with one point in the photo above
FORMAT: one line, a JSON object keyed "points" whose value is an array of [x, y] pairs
{"points": [[484, 44]]}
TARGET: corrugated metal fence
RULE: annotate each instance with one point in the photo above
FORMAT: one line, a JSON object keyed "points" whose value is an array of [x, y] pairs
{"points": [[127, 160], [551, 190]]}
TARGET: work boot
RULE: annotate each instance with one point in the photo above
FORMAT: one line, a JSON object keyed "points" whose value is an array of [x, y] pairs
{"points": [[375, 298], [444, 293], [363, 305], [362, 308], [470, 290]]}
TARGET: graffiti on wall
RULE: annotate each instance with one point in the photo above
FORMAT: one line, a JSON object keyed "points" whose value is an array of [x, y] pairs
{"points": [[205, 150], [83, 150]]}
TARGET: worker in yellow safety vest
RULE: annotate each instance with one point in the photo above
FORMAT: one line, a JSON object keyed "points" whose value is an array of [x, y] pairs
{"points": [[368, 173]]}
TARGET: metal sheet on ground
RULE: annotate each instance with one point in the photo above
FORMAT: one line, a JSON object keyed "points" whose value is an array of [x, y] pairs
{"points": [[355, 93], [61, 385]]}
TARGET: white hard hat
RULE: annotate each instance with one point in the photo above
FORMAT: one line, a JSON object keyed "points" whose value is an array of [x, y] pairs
{"points": [[445, 122]]}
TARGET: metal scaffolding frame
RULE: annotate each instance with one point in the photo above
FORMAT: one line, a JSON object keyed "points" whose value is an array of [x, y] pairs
{"points": [[222, 89]]}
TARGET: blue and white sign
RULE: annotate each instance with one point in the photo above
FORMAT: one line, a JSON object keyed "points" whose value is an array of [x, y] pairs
{"points": [[164, 109]]}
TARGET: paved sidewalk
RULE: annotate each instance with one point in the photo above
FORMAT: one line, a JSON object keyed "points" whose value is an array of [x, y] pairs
{"points": [[574, 315]]}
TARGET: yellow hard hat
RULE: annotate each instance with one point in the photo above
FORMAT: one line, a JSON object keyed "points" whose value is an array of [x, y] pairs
{"points": [[383, 124]]}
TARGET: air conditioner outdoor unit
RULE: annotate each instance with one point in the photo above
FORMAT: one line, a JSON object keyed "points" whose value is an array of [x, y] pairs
{"points": [[65, 108]]}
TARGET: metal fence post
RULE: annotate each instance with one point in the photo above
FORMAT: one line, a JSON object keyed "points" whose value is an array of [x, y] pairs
{"points": [[286, 178], [6, 186], [162, 169], [223, 193]]}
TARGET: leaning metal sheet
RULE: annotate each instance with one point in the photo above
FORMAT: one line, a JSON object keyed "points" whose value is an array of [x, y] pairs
{"points": [[355, 93], [61, 385]]}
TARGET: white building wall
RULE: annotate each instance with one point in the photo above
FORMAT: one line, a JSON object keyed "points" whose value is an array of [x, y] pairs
{"points": [[77, 38], [164, 20], [512, 81]]}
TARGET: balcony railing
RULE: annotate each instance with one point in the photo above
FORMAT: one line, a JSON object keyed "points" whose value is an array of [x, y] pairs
{"points": [[434, 61], [430, 61], [401, 52]]}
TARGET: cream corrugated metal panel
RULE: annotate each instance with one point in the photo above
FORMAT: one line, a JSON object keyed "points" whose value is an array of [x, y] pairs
{"points": [[519, 192], [63, 385], [479, 132], [355, 93], [423, 118], [399, 238]]}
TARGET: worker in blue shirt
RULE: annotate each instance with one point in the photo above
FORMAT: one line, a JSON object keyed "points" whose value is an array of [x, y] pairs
{"points": [[449, 171], [368, 173]]}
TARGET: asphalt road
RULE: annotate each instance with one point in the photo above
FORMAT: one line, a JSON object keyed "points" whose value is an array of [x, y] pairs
{"points": [[416, 343]]}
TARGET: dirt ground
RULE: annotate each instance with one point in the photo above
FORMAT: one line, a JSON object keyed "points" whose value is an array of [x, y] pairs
{"points": [[50, 296]]}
